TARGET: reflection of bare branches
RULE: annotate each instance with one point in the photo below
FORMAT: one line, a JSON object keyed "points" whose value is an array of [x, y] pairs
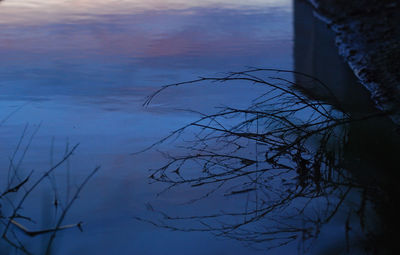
{"points": [[284, 154], [18, 190], [67, 208]]}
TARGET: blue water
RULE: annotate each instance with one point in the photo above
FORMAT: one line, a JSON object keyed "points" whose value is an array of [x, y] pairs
{"points": [[82, 70]]}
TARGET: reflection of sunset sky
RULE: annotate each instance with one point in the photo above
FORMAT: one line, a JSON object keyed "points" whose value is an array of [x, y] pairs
{"points": [[152, 34], [43, 11], [86, 66], [131, 49]]}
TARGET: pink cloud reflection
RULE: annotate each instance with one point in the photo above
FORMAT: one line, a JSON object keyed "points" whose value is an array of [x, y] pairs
{"points": [[152, 34]]}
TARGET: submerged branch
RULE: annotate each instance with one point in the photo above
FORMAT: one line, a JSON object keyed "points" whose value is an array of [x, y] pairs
{"points": [[44, 231], [284, 154]]}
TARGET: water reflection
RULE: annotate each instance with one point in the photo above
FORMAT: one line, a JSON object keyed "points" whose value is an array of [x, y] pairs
{"points": [[311, 163], [16, 195], [296, 163], [32, 11], [85, 68], [111, 51]]}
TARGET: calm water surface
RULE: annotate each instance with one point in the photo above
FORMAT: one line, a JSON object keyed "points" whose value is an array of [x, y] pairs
{"points": [[82, 70]]}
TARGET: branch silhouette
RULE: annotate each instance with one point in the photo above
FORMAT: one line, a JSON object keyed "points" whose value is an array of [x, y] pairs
{"points": [[20, 188], [283, 155]]}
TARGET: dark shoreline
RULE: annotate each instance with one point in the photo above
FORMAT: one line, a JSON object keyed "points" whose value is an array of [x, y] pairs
{"points": [[368, 38]]}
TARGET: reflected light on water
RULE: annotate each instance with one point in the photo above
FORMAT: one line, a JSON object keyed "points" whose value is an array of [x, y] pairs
{"points": [[85, 68], [129, 44], [34, 11]]}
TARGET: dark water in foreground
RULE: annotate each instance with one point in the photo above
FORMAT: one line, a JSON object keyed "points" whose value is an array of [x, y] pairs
{"points": [[82, 70]]}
